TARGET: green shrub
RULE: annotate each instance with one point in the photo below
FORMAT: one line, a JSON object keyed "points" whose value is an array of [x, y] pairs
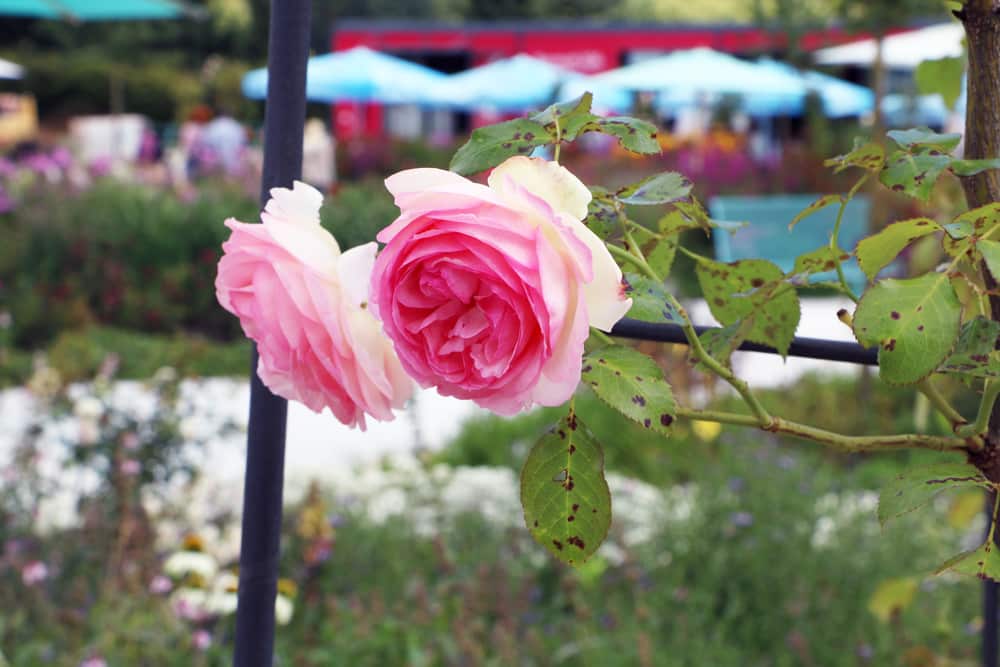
{"points": [[137, 258]]}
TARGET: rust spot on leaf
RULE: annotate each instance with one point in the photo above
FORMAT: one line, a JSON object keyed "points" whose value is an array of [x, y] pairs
{"points": [[894, 315], [558, 545], [666, 419]]}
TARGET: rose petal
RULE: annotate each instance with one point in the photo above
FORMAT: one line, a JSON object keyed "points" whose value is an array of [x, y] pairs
{"points": [[548, 180]]}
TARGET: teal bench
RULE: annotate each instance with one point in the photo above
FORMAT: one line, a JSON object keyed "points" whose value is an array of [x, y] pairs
{"points": [[767, 236]]}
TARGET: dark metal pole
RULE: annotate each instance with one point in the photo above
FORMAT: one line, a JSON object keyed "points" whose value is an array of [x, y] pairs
{"points": [[811, 348], [288, 51]]}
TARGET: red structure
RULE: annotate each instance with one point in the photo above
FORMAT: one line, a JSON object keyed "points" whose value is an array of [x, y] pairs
{"points": [[581, 46]]}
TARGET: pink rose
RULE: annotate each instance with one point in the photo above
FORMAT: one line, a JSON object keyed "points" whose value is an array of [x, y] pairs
{"points": [[305, 304], [488, 293]]}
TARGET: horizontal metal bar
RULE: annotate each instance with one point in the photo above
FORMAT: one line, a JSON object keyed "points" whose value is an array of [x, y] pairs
{"points": [[810, 348]]}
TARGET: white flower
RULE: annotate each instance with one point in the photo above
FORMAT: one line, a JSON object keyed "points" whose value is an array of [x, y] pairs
{"points": [[190, 604], [88, 408], [283, 609], [223, 598], [190, 562]]}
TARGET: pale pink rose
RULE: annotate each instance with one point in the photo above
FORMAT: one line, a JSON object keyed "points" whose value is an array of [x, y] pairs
{"points": [[488, 292], [305, 304]]}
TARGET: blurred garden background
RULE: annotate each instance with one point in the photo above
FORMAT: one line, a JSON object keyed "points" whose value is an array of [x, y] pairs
{"points": [[126, 141]]}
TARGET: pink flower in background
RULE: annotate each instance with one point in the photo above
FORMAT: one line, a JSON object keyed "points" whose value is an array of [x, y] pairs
{"points": [[94, 661], [202, 639], [34, 572], [160, 585], [488, 293], [306, 305]]}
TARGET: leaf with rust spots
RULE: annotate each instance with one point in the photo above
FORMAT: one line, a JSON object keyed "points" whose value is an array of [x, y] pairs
{"points": [[983, 562], [631, 383], [635, 135], [923, 332], [720, 343], [566, 501], [973, 355], [752, 290], [979, 221], [820, 260], [602, 217], [924, 137], [915, 173], [649, 300], [915, 487], [868, 156], [572, 116], [489, 146], [663, 188], [819, 204], [658, 249], [877, 251]]}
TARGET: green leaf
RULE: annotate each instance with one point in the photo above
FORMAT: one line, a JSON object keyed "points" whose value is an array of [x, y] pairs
{"points": [[990, 251], [979, 221], [720, 343], [631, 383], [868, 156], [660, 255], [973, 354], [633, 134], [819, 204], [820, 260], [942, 76], [685, 215], [877, 251], [983, 562], [973, 167], [752, 290], [489, 146], [573, 116], [566, 501], [649, 300], [602, 216], [914, 323], [925, 137], [915, 487], [664, 188], [914, 174]]}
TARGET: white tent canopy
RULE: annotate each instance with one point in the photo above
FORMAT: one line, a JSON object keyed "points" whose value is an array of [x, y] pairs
{"points": [[902, 51], [9, 70]]}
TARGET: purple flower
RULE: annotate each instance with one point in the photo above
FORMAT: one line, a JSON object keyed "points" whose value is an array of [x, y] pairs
{"points": [[160, 585], [741, 519], [61, 157], [94, 661]]}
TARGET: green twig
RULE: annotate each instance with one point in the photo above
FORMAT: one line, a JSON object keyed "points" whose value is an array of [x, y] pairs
{"points": [[834, 246], [845, 443], [555, 153], [979, 427], [928, 389], [763, 419]]}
